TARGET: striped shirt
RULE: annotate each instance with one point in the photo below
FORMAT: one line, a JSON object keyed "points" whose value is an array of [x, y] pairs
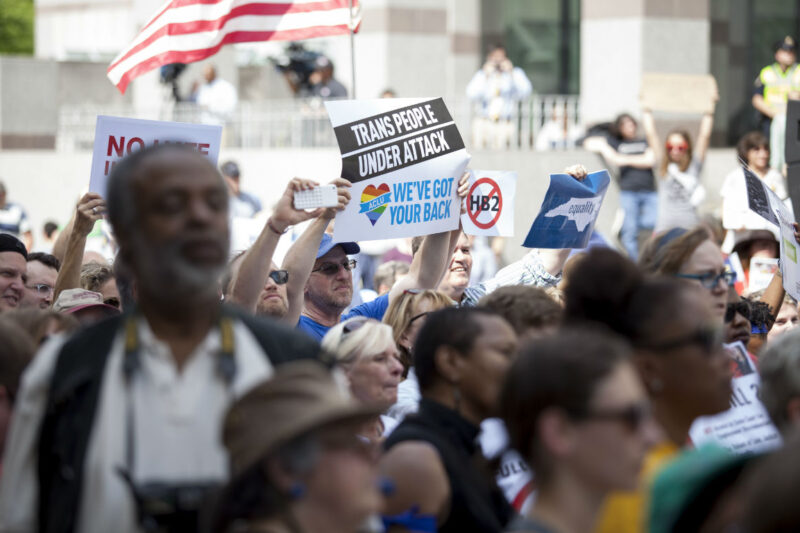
{"points": [[13, 220]]}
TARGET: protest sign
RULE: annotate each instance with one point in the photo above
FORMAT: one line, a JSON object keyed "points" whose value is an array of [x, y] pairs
{"points": [[746, 426], [569, 211], [116, 137], [679, 93], [766, 203], [761, 271], [404, 157], [490, 203]]}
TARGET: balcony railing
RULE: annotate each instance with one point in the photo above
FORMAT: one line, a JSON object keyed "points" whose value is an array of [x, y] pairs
{"points": [[541, 122]]}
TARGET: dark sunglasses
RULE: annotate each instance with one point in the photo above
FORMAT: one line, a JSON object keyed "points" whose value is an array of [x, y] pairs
{"points": [[710, 280], [633, 416], [330, 269], [280, 277], [709, 339], [743, 308]]}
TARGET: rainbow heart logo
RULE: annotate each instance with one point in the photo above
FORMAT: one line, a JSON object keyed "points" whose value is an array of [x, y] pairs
{"points": [[374, 201]]}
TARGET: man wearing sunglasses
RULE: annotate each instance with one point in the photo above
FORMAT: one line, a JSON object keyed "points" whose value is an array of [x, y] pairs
{"points": [[258, 284], [42, 273]]}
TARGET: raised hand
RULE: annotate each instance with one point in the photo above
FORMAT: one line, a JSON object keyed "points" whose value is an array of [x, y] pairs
{"points": [[342, 186], [91, 208], [285, 214]]}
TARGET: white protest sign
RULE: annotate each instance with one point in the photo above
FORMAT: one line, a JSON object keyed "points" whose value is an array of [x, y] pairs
{"points": [[490, 203], [746, 426], [404, 158], [762, 269], [116, 137], [766, 203]]}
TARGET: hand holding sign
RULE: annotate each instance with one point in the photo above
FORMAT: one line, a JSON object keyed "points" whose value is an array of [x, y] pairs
{"points": [[89, 210], [569, 210]]}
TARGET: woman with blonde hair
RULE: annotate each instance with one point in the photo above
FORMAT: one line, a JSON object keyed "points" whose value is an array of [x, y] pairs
{"points": [[406, 315], [366, 352]]}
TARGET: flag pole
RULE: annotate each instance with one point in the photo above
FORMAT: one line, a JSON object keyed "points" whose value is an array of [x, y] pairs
{"points": [[352, 53]]}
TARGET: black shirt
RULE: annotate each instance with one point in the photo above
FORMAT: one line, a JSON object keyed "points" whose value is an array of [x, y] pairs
{"points": [[632, 178], [476, 504]]}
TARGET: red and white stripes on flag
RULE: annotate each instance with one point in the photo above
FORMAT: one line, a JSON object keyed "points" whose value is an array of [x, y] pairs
{"points": [[184, 31]]}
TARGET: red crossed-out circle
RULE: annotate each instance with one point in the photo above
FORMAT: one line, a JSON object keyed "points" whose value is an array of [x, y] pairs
{"points": [[474, 215]]}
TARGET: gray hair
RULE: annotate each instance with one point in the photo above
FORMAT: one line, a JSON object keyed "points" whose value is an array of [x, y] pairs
{"points": [[779, 366]]}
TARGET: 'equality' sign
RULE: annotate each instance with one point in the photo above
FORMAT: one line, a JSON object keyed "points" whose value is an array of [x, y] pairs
{"points": [[404, 158], [490, 203], [116, 137], [569, 211]]}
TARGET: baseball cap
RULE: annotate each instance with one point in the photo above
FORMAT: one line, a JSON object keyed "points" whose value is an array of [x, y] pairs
{"points": [[300, 397], [788, 43], [74, 300], [230, 169], [327, 244], [9, 243]]}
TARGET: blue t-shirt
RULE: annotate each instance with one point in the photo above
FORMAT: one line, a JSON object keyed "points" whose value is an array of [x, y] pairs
{"points": [[374, 309]]}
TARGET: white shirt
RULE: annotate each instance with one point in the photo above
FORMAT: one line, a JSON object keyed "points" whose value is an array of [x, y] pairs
{"points": [[178, 424], [217, 100], [736, 213]]}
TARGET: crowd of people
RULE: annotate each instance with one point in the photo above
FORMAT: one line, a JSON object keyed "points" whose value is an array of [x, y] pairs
{"points": [[154, 378]]}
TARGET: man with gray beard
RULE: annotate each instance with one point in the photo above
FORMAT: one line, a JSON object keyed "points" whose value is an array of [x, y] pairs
{"points": [[117, 427]]}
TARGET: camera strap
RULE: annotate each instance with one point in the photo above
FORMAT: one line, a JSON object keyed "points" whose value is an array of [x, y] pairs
{"points": [[226, 367]]}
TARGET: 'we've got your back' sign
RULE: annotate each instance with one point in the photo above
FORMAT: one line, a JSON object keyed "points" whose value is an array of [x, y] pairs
{"points": [[404, 157]]}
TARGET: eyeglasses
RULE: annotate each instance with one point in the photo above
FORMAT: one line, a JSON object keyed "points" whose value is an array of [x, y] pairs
{"points": [[680, 147], [280, 277], [709, 339], [632, 416], [331, 269], [113, 302], [743, 308], [415, 317], [710, 280], [42, 289]]}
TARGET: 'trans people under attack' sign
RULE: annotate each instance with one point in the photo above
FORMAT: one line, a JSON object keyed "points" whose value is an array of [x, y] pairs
{"points": [[490, 203], [404, 157], [116, 137], [569, 211]]}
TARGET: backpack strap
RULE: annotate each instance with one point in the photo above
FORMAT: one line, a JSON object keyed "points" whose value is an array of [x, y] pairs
{"points": [[67, 424]]}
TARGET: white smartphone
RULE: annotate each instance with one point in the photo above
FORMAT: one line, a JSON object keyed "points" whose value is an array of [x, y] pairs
{"points": [[322, 196]]}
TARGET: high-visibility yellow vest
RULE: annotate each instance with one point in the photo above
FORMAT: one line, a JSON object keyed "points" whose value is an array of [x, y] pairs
{"points": [[778, 84]]}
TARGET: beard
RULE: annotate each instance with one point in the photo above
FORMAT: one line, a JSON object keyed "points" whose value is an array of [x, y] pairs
{"points": [[165, 272], [275, 308]]}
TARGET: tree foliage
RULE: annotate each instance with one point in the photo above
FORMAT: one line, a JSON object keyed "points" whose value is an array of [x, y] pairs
{"points": [[16, 27]]}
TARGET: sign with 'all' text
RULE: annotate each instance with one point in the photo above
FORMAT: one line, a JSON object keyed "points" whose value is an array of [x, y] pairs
{"points": [[404, 158], [116, 137]]}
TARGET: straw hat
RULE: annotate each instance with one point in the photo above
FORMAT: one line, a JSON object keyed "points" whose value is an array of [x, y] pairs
{"points": [[300, 397]]}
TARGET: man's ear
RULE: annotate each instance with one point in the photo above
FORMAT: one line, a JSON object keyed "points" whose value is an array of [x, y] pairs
{"points": [[650, 368], [449, 363]]}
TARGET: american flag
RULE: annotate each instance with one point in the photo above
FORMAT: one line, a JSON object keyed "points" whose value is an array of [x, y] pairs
{"points": [[184, 31]]}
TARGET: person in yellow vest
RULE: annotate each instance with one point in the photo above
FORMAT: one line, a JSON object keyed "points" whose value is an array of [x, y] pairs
{"points": [[775, 82]]}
